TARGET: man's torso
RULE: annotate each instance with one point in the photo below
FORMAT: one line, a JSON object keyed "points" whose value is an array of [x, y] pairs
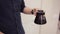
{"points": [[10, 20]]}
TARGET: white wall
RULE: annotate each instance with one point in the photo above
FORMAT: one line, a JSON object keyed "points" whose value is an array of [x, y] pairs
{"points": [[52, 12], [51, 8]]}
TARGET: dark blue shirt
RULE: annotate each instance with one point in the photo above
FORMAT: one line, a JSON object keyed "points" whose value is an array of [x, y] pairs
{"points": [[10, 18]]}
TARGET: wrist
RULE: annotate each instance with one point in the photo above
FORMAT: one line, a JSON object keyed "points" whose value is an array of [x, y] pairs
{"points": [[32, 12]]}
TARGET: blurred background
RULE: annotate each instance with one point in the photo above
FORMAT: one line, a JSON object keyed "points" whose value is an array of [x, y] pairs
{"points": [[51, 9]]}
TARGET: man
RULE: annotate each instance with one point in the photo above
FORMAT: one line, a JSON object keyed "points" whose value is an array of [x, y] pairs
{"points": [[10, 18]]}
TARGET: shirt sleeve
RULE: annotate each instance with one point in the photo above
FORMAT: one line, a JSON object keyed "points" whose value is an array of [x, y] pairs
{"points": [[22, 5]]}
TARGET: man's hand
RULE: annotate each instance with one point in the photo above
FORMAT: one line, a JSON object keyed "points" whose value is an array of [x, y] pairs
{"points": [[35, 10], [28, 10]]}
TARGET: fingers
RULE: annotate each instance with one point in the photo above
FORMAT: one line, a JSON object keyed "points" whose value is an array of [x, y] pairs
{"points": [[35, 10]]}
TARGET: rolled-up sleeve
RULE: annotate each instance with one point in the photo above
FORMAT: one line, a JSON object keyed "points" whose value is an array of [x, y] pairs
{"points": [[22, 5]]}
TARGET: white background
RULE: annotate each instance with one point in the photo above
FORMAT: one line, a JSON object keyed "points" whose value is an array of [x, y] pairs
{"points": [[51, 8]]}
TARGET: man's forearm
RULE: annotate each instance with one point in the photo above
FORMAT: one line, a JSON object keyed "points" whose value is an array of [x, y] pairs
{"points": [[27, 10]]}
